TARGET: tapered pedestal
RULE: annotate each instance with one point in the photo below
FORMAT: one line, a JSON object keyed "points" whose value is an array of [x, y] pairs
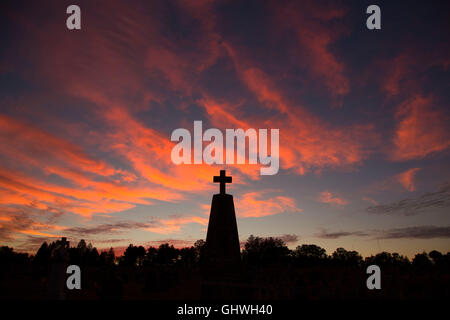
{"points": [[222, 240]]}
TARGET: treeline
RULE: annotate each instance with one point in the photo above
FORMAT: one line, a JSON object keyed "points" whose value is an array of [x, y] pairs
{"points": [[257, 252], [269, 270], [266, 251]]}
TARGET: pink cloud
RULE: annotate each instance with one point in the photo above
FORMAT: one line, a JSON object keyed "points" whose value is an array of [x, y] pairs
{"points": [[406, 179], [306, 142], [328, 197], [316, 30], [421, 129], [173, 225], [261, 203]]}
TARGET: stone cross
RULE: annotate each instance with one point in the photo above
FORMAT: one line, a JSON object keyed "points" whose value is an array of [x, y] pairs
{"points": [[222, 179]]}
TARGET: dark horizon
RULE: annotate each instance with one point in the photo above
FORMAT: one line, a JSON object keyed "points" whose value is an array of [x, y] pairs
{"points": [[267, 271], [119, 251]]}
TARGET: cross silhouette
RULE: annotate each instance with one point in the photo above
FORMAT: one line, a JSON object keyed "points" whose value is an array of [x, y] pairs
{"points": [[222, 179]]}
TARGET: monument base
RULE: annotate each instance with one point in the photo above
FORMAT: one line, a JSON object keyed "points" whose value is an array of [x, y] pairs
{"points": [[222, 249]]}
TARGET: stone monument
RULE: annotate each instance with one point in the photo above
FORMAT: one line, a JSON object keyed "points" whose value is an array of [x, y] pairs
{"points": [[222, 249]]}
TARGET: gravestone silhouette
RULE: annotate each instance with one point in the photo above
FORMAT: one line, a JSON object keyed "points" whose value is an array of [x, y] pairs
{"points": [[222, 240]]}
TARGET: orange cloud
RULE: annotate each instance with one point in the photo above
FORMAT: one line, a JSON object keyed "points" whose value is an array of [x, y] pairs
{"points": [[260, 204], [38, 233], [149, 152], [172, 225], [421, 130], [306, 142], [145, 150], [223, 113], [85, 198], [406, 179], [26, 143], [327, 197]]}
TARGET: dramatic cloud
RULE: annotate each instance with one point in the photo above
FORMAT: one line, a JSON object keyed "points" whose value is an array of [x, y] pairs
{"points": [[422, 129], [307, 142], [427, 201], [87, 115], [90, 186], [84, 197]]}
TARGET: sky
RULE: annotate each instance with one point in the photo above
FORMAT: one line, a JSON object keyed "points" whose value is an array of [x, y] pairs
{"points": [[86, 118]]}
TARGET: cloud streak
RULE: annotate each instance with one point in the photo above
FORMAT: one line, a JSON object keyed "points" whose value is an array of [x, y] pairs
{"points": [[324, 234], [416, 232], [419, 232], [411, 206], [156, 225]]}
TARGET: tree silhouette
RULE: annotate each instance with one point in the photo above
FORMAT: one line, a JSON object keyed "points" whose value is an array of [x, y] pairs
{"points": [[133, 256], [107, 257], [265, 251], [82, 246], [41, 260], [167, 254], [269, 266], [310, 254], [150, 256], [347, 257], [199, 247], [12, 261], [421, 260], [387, 259], [436, 256]]}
